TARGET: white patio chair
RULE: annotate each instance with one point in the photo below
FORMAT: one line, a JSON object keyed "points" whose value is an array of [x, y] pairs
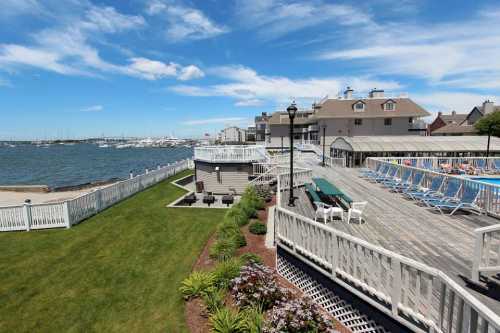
{"points": [[337, 211], [322, 210], [356, 211]]}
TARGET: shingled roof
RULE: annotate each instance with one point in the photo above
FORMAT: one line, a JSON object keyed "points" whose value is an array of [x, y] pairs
{"points": [[453, 128], [344, 108]]}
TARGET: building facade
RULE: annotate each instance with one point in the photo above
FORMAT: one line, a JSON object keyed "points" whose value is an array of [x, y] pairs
{"points": [[348, 116], [458, 125], [261, 127], [232, 135]]}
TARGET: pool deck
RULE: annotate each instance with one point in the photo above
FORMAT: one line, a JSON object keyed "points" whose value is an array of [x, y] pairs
{"points": [[391, 221]]}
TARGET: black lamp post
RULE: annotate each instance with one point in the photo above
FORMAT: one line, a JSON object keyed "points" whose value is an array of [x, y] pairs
{"points": [[490, 127], [292, 111], [324, 142]]}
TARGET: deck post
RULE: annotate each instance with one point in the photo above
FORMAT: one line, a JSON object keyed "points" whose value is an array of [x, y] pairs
{"points": [[67, 218], [98, 200], [478, 256], [396, 286], [27, 214]]}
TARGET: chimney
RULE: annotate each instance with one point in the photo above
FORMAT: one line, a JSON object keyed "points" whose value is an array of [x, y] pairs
{"points": [[453, 113], [348, 93], [488, 107], [376, 93], [440, 114]]}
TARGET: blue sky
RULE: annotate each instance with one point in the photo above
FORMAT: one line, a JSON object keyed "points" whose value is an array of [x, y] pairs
{"points": [[156, 67]]}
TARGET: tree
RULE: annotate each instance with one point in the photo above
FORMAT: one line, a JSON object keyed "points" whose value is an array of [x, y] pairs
{"points": [[489, 124]]}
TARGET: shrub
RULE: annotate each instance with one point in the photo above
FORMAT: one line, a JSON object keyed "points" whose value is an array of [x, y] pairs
{"points": [[247, 207], [226, 271], [299, 315], [227, 229], [248, 258], [214, 299], [237, 215], [196, 284], [228, 321], [251, 195], [239, 239], [264, 192], [257, 285], [255, 319], [223, 249], [258, 228]]}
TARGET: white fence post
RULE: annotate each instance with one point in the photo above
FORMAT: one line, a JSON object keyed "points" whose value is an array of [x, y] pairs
{"points": [[67, 218], [27, 214], [131, 175], [396, 286], [98, 200]]}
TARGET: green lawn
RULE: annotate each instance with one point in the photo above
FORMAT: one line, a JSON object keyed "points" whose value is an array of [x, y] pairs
{"points": [[117, 271]]}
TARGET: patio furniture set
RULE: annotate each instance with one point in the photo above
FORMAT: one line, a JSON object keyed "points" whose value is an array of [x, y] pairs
{"points": [[331, 202]]}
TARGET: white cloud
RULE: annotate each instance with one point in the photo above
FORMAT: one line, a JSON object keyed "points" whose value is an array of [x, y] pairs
{"points": [[152, 69], [448, 101], [93, 108], [244, 85], [462, 54], [276, 18], [249, 102], [185, 23], [215, 121], [190, 72], [18, 7], [68, 49]]}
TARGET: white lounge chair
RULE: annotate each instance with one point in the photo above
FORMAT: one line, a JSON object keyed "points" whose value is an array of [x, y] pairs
{"points": [[356, 211], [322, 211]]}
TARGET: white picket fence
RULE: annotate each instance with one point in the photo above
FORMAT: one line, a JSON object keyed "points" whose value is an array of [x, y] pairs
{"points": [[421, 297], [70, 212]]}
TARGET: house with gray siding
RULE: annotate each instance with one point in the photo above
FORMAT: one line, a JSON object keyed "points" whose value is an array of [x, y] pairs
{"points": [[348, 115]]}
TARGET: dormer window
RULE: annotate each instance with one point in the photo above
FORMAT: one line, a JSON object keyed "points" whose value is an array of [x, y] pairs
{"points": [[359, 106], [389, 105]]}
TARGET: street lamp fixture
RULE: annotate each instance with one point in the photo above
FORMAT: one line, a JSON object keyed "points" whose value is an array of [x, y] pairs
{"points": [[323, 126], [292, 111]]}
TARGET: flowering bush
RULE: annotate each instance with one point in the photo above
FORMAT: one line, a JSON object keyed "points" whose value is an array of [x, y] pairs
{"points": [[257, 285], [298, 315]]}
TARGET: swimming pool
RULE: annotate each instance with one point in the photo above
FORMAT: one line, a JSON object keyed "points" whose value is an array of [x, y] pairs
{"points": [[494, 181]]}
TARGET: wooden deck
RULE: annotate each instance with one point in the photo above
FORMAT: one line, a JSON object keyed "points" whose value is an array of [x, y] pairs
{"points": [[399, 225]]}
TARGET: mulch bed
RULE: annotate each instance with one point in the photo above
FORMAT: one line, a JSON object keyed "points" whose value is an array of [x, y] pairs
{"points": [[196, 318]]}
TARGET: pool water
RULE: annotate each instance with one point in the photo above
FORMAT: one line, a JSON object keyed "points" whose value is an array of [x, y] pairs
{"points": [[494, 181]]}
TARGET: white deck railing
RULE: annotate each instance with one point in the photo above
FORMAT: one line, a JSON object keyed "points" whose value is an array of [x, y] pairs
{"points": [[435, 162], [70, 212], [334, 162], [420, 297], [486, 251], [230, 154]]}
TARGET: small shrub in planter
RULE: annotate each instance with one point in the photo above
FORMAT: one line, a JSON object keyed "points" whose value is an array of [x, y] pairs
{"points": [[214, 299], [237, 215], [297, 316], [258, 228], [226, 271], [248, 208], [247, 258], [239, 239], [257, 285], [228, 321], [265, 193], [196, 284], [223, 249]]}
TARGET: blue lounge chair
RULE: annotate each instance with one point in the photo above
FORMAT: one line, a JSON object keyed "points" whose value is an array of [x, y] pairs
{"points": [[369, 172], [397, 181], [422, 192], [418, 176], [481, 165], [452, 188], [496, 165], [380, 173], [391, 174], [404, 183], [427, 164], [466, 202]]}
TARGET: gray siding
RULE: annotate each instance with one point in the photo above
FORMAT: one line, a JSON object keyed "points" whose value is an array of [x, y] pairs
{"points": [[229, 176]]}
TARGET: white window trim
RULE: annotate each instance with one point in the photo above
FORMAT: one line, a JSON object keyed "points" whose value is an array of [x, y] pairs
{"points": [[393, 107], [359, 110]]}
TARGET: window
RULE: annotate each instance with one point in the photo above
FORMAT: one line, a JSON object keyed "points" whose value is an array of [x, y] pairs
{"points": [[360, 106], [388, 121], [389, 106], [358, 122], [410, 120]]}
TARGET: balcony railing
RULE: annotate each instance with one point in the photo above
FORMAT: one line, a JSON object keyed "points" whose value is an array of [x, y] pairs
{"points": [[230, 154]]}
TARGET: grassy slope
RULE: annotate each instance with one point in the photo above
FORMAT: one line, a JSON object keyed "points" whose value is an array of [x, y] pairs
{"points": [[118, 271]]}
